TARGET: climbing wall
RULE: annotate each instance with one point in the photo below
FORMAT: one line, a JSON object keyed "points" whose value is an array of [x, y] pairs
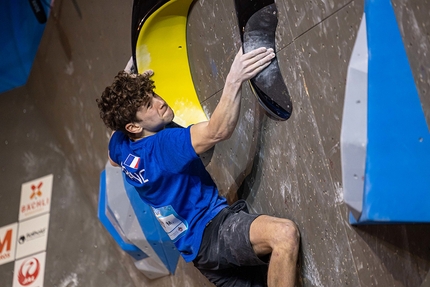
{"points": [[287, 168], [292, 169]]}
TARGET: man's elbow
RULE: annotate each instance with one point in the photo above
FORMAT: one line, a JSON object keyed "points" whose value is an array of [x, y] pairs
{"points": [[204, 136], [221, 134], [113, 163]]}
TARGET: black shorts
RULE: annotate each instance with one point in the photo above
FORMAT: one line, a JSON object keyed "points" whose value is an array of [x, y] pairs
{"points": [[226, 256]]}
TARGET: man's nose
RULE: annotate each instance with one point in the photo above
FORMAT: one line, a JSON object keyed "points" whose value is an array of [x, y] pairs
{"points": [[159, 102]]}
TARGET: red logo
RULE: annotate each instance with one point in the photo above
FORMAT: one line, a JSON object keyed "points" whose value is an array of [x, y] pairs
{"points": [[6, 242], [29, 271], [36, 190]]}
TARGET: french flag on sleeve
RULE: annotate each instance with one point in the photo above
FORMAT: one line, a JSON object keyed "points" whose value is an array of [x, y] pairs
{"points": [[132, 161]]}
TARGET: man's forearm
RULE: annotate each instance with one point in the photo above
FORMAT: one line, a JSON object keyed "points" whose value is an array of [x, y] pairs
{"points": [[225, 116]]}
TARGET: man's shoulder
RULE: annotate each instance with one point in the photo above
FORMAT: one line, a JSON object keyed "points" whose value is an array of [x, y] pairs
{"points": [[117, 140], [173, 132]]}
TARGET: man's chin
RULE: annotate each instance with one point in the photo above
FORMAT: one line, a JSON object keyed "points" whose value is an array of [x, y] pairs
{"points": [[170, 115]]}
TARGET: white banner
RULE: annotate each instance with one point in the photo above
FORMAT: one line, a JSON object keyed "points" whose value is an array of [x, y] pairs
{"points": [[30, 271], [8, 243], [35, 197], [32, 236]]}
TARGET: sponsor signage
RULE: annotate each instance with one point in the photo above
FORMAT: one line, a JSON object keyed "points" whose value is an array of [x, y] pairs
{"points": [[32, 236], [25, 241], [29, 271], [35, 197], [8, 243]]}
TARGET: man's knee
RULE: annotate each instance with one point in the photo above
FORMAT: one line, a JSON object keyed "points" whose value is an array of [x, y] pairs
{"points": [[270, 233], [288, 235]]}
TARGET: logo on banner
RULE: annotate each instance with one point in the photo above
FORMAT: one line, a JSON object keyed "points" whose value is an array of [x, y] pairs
{"points": [[35, 197], [7, 243], [28, 271], [37, 192], [32, 236]]}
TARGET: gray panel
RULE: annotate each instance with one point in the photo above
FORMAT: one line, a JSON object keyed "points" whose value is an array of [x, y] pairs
{"points": [[325, 52], [214, 39], [413, 18], [391, 255], [301, 16], [354, 124]]}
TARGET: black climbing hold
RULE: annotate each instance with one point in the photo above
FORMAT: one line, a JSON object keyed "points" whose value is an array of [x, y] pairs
{"points": [[257, 23]]}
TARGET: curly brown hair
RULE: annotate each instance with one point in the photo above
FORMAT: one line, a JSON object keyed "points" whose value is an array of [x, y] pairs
{"points": [[120, 101]]}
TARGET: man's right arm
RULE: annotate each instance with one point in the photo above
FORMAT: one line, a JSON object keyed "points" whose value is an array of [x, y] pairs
{"points": [[225, 116]]}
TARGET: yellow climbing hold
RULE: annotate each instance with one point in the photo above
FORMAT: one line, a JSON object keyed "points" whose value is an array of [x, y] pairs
{"points": [[162, 47]]}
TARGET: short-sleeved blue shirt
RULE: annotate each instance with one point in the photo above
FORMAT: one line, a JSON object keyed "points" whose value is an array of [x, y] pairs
{"points": [[170, 177]]}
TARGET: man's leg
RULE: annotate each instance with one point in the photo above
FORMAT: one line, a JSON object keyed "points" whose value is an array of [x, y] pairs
{"points": [[280, 237]]}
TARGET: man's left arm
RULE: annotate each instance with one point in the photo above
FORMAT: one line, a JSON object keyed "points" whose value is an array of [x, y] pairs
{"points": [[109, 157]]}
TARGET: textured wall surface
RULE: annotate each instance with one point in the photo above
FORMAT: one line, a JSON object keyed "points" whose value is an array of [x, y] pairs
{"points": [[414, 23], [289, 169], [77, 242], [295, 171]]}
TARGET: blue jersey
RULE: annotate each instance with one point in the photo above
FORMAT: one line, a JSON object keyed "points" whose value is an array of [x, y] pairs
{"points": [[171, 178]]}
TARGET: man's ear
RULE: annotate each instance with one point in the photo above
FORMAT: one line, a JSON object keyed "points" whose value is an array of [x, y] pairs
{"points": [[133, 128]]}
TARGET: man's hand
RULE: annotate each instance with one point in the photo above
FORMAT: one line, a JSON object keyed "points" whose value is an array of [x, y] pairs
{"points": [[246, 66], [148, 73], [224, 119], [131, 69]]}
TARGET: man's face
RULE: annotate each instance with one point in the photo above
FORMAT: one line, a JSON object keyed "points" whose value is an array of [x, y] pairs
{"points": [[155, 115]]}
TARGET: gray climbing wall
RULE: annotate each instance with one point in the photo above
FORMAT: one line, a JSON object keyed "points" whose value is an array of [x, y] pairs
{"points": [[289, 169], [292, 169]]}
